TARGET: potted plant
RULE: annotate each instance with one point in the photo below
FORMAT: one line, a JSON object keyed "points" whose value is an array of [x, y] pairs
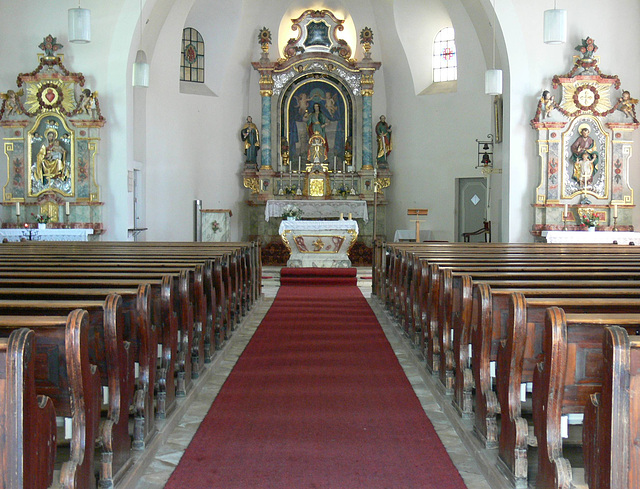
{"points": [[42, 220], [291, 212]]}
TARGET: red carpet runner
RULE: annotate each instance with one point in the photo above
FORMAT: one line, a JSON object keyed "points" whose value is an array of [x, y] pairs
{"points": [[317, 400]]}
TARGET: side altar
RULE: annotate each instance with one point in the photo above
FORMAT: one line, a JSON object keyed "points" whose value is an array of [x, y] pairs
{"points": [[585, 147], [316, 137], [323, 244], [50, 129]]}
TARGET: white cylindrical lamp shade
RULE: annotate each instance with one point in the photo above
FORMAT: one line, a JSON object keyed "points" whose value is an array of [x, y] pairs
{"points": [[493, 82], [141, 70], [79, 25], [555, 26]]}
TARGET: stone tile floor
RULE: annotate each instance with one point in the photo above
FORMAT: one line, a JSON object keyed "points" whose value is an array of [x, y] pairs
{"points": [[154, 465]]}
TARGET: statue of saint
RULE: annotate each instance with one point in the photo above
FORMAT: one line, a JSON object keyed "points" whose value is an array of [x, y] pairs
{"points": [[51, 158], [249, 134], [316, 122], [383, 133], [584, 154]]}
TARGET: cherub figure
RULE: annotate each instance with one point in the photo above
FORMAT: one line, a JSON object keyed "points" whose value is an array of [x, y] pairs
{"points": [[627, 105], [12, 103], [303, 102], [547, 103], [330, 103], [85, 104]]}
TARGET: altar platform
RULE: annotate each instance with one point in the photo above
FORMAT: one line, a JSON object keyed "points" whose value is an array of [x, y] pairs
{"points": [[322, 244], [618, 237]]}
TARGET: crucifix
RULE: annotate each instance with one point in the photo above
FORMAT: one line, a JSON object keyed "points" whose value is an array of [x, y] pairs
{"points": [[417, 213]]}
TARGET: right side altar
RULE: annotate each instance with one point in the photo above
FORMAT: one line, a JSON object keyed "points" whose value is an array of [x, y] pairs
{"points": [[316, 141], [584, 130]]}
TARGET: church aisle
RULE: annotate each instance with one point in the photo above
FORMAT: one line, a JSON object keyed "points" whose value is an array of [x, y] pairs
{"points": [[169, 453]]}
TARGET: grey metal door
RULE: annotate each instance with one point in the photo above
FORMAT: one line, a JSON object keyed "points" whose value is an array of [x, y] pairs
{"points": [[472, 206]]}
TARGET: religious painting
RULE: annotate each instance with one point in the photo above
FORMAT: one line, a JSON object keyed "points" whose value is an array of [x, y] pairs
{"points": [[51, 156], [316, 111], [585, 158]]}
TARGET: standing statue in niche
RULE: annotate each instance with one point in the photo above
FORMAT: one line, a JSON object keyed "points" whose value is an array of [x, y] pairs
{"points": [[584, 154], [316, 122], [249, 134], [383, 133]]}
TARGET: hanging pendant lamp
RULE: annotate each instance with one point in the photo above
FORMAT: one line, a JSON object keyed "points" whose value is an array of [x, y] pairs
{"points": [[79, 25], [555, 26], [493, 77], [141, 70]]}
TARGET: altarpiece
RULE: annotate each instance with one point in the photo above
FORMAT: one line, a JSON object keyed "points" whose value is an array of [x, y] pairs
{"points": [[50, 129], [584, 126], [316, 124]]}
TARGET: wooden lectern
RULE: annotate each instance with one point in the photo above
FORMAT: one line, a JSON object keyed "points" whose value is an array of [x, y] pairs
{"points": [[417, 212]]}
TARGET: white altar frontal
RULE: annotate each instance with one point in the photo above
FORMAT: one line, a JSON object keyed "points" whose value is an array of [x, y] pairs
{"points": [[602, 237], [34, 234], [323, 244]]}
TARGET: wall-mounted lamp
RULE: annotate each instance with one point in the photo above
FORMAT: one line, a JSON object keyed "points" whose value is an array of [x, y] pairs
{"points": [[555, 25], [79, 25]]}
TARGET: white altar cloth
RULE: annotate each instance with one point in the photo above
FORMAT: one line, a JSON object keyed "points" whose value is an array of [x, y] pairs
{"points": [[319, 209], [620, 237], [45, 234], [319, 243]]}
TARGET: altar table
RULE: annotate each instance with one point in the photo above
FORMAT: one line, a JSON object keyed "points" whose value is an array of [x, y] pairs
{"points": [[319, 243], [319, 209], [33, 234], [620, 237]]}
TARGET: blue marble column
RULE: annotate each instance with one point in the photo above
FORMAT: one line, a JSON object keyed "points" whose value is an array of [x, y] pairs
{"points": [[265, 143], [367, 124]]}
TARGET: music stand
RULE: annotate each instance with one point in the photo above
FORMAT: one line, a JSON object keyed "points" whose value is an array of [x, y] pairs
{"points": [[417, 212]]}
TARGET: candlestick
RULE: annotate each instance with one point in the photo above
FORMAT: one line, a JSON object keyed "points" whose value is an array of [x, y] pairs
{"points": [[67, 211], [615, 210], [615, 223], [17, 208]]}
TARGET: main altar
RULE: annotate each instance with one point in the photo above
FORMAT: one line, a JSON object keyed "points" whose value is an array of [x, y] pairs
{"points": [[585, 148], [315, 144], [323, 244]]}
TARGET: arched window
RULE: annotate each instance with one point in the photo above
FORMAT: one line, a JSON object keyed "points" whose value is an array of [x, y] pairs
{"points": [[192, 59], [445, 59]]}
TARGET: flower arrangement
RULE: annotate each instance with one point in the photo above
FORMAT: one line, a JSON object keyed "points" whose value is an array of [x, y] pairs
{"points": [[41, 218], [291, 189], [587, 48], [589, 218], [291, 211], [343, 191], [215, 225]]}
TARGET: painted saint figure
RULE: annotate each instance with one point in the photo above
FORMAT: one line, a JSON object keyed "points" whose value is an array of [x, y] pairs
{"points": [[383, 133], [249, 134], [584, 154], [51, 159]]}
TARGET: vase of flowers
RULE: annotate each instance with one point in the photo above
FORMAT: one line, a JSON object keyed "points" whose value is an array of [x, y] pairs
{"points": [[42, 220], [589, 219], [291, 212]]}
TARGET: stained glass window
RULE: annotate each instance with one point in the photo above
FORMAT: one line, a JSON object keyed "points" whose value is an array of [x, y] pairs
{"points": [[192, 59], [445, 59]]}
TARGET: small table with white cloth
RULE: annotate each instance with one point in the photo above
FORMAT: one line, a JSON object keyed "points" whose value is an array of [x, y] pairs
{"points": [[324, 244]]}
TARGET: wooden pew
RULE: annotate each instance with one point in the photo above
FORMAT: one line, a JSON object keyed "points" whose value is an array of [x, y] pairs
{"points": [[65, 375], [612, 416], [570, 371], [109, 351], [27, 420]]}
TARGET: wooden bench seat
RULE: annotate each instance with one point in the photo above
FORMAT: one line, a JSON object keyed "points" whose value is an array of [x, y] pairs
{"points": [[65, 374], [27, 420]]}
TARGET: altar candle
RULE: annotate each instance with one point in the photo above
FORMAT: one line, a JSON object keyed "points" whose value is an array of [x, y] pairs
{"points": [[66, 208], [341, 216], [566, 210], [350, 216], [299, 163], [334, 164], [344, 167], [17, 208], [615, 210]]}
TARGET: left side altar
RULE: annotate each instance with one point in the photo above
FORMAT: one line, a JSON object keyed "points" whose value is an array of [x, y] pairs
{"points": [[314, 148], [50, 128]]}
